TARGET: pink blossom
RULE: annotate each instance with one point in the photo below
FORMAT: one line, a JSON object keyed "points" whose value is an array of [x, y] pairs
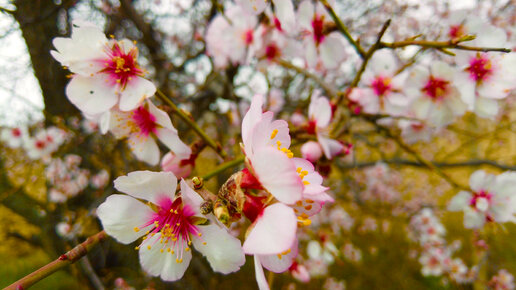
{"points": [[169, 228], [144, 124], [106, 72]]}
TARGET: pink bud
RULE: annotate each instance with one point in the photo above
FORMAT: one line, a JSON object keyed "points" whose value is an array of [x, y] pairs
{"points": [[311, 151], [180, 167]]}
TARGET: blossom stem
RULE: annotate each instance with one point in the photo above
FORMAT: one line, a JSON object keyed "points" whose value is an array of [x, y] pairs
{"points": [[440, 45], [366, 59], [66, 259], [343, 29], [192, 124], [223, 167]]}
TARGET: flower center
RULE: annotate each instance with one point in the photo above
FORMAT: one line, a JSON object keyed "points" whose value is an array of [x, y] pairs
{"points": [[318, 27], [176, 224], [456, 31], [480, 68], [277, 24], [121, 66], [436, 88], [381, 85], [40, 144], [248, 37], [144, 120], [16, 132], [272, 51], [481, 199]]}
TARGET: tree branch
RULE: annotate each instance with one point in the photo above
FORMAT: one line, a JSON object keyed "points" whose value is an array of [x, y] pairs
{"points": [[64, 260]]}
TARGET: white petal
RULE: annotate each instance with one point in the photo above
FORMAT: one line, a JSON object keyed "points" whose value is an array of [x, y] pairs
{"points": [[164, 264], [191, 197], [332, 50], [277, 173], [120, 214], [279, 263], [162, 117], [144, 148], [148, 185], [135, 93], [172, 141], [260, 276], [305, 14], [223, 251], [486, 108], [285, 12], [459, 201], [268, 236], [92, 95]]}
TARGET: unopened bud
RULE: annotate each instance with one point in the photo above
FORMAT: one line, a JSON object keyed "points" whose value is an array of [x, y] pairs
{"points": [[198, 183]]}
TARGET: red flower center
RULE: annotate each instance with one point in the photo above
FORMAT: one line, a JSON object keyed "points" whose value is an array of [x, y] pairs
{"points": [[436, 88], [456, 31], [480, 67], [381, 86], [144, 120], [248, 37], [481, 194], [16, 132], [122, 66], [272, 51], [318, 27]]}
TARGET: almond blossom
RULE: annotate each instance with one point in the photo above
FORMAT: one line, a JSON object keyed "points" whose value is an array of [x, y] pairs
{"points": [[227, 43], [106, 73], [169, 224], [14, 137], [382, 89], [144, 124], [437, 99], [319, 117], [492, 199], [318, 44], [283, 10]]}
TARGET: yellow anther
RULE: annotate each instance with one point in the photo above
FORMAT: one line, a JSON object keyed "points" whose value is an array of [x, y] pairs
{"points": [[279, 256], [306, 182], [189, 243], [178, 224], [204, 243], [144, 238], [290, 155], [168, 250], [199, 234], [187, 249], [172, 252], [137, 248], [299, 169], [171, 210], [136, 229], [304, 172], [274, 133], [161, 250], [149, 247]]}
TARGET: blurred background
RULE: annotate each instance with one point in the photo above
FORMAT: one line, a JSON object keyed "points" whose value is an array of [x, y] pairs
{"points": [[365, 240]]}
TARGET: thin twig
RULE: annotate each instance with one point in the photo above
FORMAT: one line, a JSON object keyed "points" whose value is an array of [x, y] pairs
{"points": [[64, 260], [223, 167], [441, 45], [343, 29], [192, 124]]}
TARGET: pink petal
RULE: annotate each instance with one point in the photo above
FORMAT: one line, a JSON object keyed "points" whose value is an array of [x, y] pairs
{"points": [[269, 236], [148, 185], [277, 173]]}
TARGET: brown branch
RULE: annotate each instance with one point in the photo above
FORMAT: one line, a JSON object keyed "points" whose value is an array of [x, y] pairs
{"points": [[64, 260], [440, 45]]}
